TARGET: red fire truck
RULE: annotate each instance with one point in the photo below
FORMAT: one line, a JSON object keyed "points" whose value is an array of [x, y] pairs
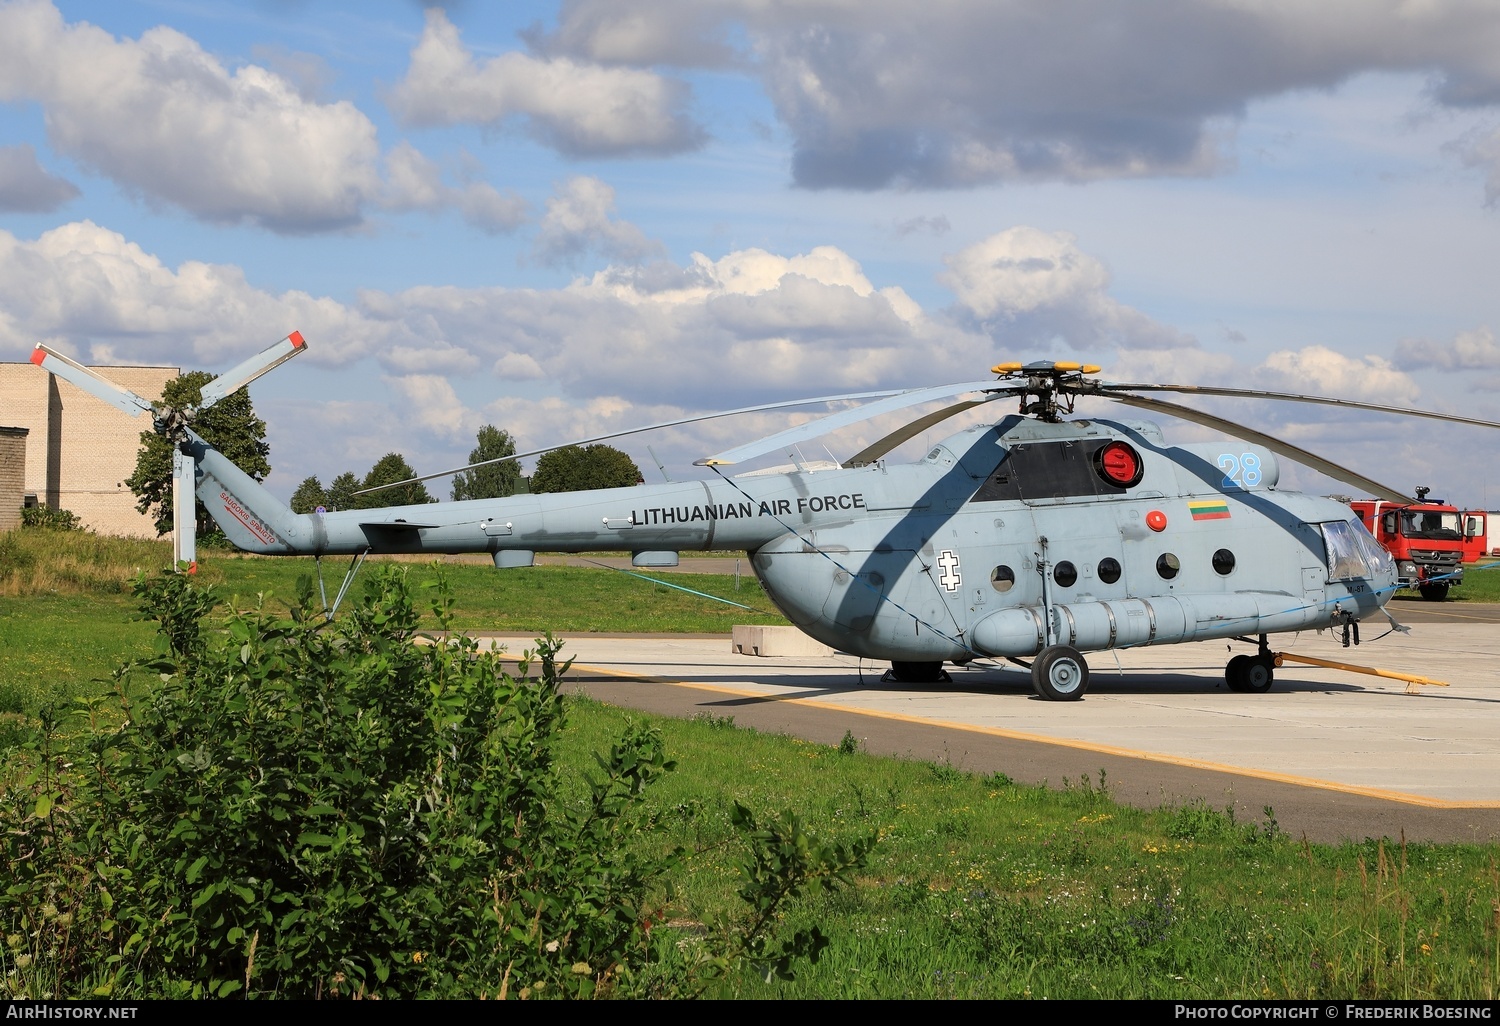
{"points": [[1428, 539]]}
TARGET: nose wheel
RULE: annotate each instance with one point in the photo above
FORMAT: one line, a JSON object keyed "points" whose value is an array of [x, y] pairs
{"points": [[1060, 674]]}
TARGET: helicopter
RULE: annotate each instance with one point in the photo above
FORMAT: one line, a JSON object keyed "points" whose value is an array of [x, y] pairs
{"points": [[1039, 537]]}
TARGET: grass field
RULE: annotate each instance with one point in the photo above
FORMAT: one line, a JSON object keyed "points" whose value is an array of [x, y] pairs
{"points": [[66, 634], [979, 887], [985, 888]]}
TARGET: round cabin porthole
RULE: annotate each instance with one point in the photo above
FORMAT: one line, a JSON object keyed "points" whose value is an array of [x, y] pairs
{"points": [[1065, 574], [1167, 566], [1109, 570], [1002, 578], [1223, 562]]}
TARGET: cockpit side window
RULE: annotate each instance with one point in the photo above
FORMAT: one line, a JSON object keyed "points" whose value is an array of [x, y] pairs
{"points": [[1351, 552]]}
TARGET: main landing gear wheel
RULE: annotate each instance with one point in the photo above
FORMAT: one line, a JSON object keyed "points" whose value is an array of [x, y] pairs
{"points": [[1059, 674], [1434, 592], [918, 673], [1250, 674]]}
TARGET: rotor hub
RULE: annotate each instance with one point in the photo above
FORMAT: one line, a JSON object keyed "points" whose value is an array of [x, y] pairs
{"points": [[1043, 382], [172, 423]]}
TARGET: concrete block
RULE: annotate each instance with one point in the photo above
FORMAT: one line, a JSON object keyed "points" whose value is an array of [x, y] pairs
{"points": [[776, 641]]}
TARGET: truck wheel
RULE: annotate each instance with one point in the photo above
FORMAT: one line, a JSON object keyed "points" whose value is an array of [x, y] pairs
{"points": [[1060, 674], [1434, 592]]}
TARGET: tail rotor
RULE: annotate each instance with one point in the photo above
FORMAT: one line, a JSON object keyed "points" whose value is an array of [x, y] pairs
{"points": [[173, 423]]}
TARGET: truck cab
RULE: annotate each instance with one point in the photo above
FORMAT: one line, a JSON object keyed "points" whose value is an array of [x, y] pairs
{"points": [[1428, 539]]}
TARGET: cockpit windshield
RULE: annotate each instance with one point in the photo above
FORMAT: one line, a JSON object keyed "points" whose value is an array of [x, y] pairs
{"points": [[1429, 525]]}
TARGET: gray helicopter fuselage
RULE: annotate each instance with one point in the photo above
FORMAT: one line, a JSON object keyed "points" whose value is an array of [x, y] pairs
{"points": [[1002, 541]]}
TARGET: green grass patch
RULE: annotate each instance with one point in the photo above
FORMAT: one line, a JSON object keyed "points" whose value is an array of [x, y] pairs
{"points": [[65, 644], [43, 561], [983, 888], [1481, 583], [573, 600]]}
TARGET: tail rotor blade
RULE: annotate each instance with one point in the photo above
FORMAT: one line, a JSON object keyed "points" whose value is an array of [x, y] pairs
{"points": [[88, 380], [184, 510], [239, 376]]}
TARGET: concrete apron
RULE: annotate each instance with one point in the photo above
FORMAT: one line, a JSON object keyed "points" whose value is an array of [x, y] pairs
{"points": [[1331, 731]]}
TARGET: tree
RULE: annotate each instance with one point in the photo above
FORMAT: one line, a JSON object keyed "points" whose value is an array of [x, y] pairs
{"points": [[341, 495], [388, 469], [309, 496], [230, 426], [497, 479], [574, 469]]}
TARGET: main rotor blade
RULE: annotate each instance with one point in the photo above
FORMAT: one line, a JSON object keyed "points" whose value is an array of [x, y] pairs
{"points": [[90, 381], [242, 374], [843, 418], [1276, 445], [1106, 387], [785, 404], [875, 450]]}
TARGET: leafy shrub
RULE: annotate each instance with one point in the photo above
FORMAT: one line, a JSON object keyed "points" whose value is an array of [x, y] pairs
{"points": [[302, 809], [53, 519]]}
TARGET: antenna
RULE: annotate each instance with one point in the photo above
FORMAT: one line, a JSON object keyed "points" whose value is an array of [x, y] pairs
{"points": [[665, 476]]}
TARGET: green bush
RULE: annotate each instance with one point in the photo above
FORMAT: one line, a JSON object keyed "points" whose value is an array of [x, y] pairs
{"points": [[294, 808], [54, 519]]}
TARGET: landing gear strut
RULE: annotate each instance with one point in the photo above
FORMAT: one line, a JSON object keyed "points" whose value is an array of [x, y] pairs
{"points": [[1252, 674]]}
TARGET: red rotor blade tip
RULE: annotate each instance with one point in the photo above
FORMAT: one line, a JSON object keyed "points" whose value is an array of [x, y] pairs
{"points": [[37, 356], [296, 339]]}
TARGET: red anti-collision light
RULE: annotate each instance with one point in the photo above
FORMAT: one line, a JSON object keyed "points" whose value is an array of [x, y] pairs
{"points": [[1156, 520], [1119, 464]]}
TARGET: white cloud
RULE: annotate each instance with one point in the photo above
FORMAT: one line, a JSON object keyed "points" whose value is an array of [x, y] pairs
{"points": [[1029, 287], [26, 186], [1322, 371], [631, 346], [167, 120], [100, 296], [415, 182], [580, 219], [518, 367], [1469, 351], [429, 400], [886, 92], [1481, 150], [581, 109]]}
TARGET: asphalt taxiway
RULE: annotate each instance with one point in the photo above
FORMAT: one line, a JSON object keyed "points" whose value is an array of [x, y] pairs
{"points": [[1333, 753]]}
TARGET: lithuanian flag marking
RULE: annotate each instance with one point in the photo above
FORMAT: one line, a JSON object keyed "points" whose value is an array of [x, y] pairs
{"points": [[1209, 509]]}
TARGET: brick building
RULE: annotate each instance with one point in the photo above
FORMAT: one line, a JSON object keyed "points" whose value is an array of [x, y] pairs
{"points": [[79, 449], [12, 476]]}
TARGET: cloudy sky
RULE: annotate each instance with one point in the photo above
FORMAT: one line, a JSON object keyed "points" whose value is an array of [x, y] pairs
{"points": [[568, 218]]}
